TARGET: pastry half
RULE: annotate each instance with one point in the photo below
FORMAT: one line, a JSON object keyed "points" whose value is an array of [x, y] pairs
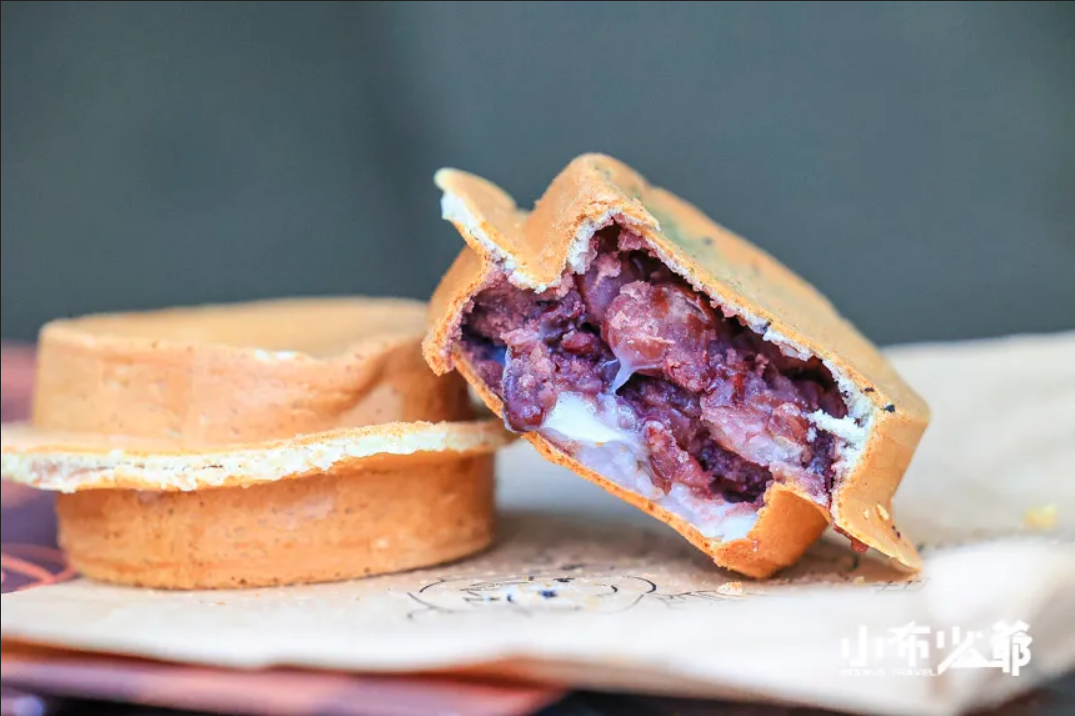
{"points": [[675, 364], [274, 442]]}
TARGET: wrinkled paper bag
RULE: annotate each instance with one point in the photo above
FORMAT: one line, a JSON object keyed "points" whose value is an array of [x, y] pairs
{"points": [[583, 590]]}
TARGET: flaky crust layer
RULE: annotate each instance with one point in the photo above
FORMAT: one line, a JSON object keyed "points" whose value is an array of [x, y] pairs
{"points": [[534, 249], [74, 462], [341, 524]]}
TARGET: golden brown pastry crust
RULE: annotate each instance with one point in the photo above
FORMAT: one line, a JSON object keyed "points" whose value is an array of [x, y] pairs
{"points": [[254, 444], [535, 248], [346, 522], [240, 373]]}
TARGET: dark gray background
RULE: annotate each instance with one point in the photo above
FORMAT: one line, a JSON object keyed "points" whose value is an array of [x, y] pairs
{"points": [[915, 161]]}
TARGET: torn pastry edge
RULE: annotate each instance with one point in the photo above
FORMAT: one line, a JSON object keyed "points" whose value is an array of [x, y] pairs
{"points": [[852, 432], [858, 434]]}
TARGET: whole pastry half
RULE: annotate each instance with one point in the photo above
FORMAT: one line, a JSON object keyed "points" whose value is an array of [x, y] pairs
{"points": [[274, 442], [657, 354]]}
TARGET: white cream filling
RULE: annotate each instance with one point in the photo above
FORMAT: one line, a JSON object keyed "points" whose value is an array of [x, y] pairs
{"points": [[623, 373], [605, 440]]}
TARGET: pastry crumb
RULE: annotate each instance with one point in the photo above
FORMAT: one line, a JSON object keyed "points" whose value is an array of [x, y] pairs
{"points": [[882, 512], [1040, 518], [732, 589]]}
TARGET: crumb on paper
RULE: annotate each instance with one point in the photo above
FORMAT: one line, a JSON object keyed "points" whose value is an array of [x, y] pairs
{"points": [[731, 589], [1040, 518]]}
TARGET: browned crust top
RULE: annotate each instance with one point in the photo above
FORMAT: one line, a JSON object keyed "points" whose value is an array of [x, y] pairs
{"points": [[240, 373]]}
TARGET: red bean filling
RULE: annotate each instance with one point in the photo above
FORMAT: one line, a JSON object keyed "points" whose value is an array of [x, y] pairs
{"points": [[721, 410]]}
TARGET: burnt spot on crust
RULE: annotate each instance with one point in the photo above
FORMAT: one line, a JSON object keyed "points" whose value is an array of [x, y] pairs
{"points": [[869, 390], [707, 240], [890, 408]]}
